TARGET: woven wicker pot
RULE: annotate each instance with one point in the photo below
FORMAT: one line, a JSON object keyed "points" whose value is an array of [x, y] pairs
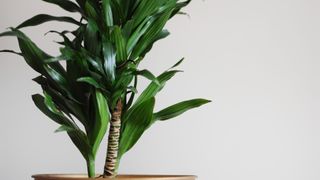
{"points": [[119, 177]]}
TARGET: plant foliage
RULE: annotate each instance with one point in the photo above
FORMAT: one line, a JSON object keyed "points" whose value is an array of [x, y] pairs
{"points": [[102, 55]]}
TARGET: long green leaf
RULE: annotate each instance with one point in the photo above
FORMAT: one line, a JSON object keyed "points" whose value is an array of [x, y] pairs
{"points": [[178, 63], [57, 78], [32, 54], [163, 34], [91, 10], [91, 38], [151, 34], [101, 121], [10, 51], [178, 109], [107, 12], [63, 128], [120, 45], [135, 125], [66, 5], [179, 6], [65, 104], [147, 74], [40, 103], [77, 136], [146, 8], [109, 60], [42, 18], [154, 87], [139, 32], [89, 80], [80, 140]]}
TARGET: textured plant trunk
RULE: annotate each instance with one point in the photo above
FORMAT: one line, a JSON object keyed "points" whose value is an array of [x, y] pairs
{"points": [[110, 167]]}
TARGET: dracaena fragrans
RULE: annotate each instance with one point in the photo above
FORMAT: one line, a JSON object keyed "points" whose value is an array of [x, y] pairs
{"points": [[97, 88]]}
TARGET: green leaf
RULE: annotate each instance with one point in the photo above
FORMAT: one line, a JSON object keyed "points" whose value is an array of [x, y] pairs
{"points": [[66, 40], [109, 60], [153, 88], [42, 18], [58, 118], [135, 124], [107, 12], [80, 140], [55, 59], [91, 11], [147, 74], [89, 80], [101, 121], [65, 4], [51, 105], [10, 51], [179, 6], [139, 32], [177, 64], [32, 54], [64, 128], [163, 34], [77, 136], [91, 38], [120, 45], [96, 63], [179, 108], [133, 89], [128, 6], [57, 78], [131, 98], [151, 34], [145, 9], [65, 104], [118, 13]]}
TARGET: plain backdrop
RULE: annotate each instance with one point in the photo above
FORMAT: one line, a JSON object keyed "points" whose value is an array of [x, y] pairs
{"points": [[258, 60]]}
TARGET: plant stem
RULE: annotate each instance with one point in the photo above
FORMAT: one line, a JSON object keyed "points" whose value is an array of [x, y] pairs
{"points": [[91, 168], [111, 163]]}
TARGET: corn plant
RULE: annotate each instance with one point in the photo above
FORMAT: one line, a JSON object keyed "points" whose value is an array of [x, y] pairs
{"points": [[96, 89]]}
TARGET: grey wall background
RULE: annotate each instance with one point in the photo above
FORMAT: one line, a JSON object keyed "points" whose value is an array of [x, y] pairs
{"points": [[258, 60]]}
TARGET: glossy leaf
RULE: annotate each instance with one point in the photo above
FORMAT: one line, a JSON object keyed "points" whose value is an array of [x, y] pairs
{"points": [[179, 108], [107, 12], [135, 125], [39, 101], [64, 128], [31, 53], [145, 9], [139, 32], [65, 4], [89, 80], [101, 121], [120, 45], [109, 60], [153, 88], [147, 74], [151, 34], [42, 18]]}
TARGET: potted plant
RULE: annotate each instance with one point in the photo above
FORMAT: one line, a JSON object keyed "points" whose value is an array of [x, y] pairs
{"points": [[97, 87]]}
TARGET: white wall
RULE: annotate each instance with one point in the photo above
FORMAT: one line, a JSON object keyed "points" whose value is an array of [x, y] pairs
{"points": [[258, 60]]}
